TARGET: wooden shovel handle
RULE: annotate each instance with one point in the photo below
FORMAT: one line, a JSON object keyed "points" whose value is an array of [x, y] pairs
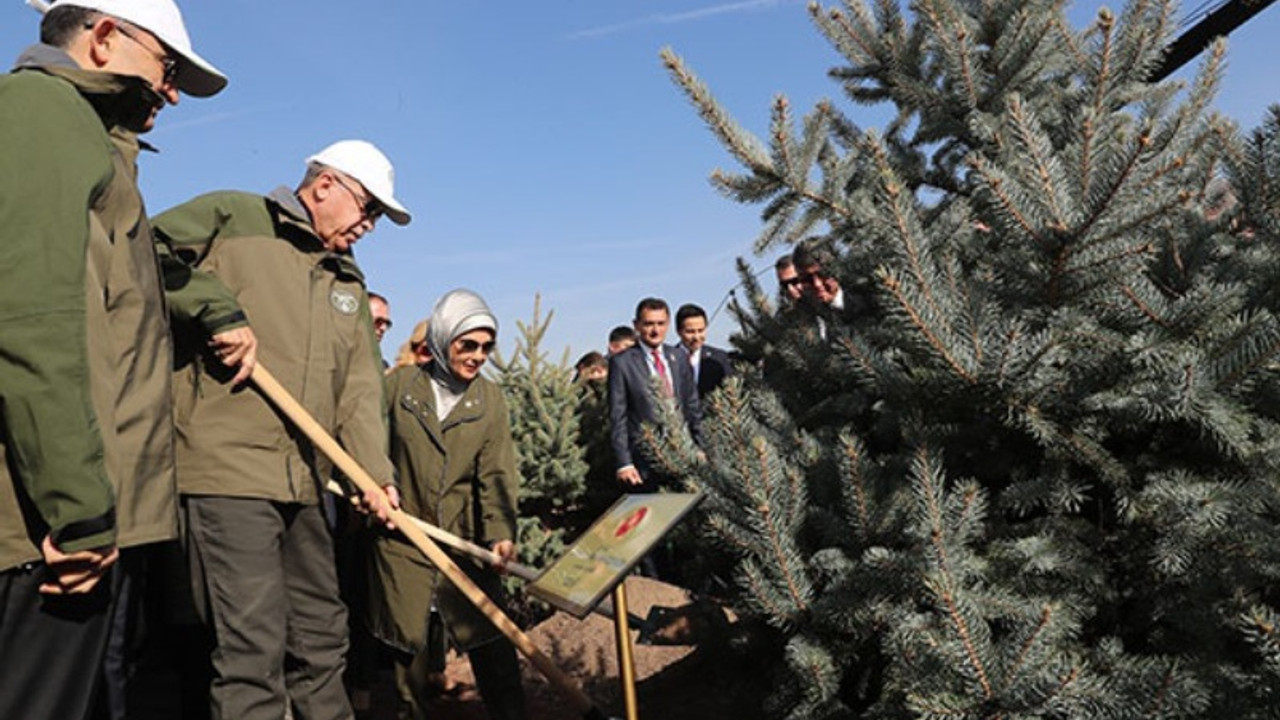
{"points": [[444, 537]]}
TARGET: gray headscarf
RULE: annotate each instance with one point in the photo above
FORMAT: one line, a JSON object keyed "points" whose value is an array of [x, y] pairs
{"points": [[457, 312]]}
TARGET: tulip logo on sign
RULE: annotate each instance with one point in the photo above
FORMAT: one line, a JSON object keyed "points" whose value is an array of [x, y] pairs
{"points": [[631, 521]]}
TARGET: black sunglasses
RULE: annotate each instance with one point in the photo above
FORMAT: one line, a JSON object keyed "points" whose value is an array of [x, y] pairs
{"points": [[468, 345], [370, 208], [168, 62]]}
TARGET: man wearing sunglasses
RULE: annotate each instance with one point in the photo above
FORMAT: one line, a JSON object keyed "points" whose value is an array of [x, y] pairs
{"points": [[790, 286], [250, 483], [88, 486], [821, 291]]}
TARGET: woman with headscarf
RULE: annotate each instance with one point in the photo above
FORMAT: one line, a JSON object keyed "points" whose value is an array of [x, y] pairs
{"points": [[452, 449]]}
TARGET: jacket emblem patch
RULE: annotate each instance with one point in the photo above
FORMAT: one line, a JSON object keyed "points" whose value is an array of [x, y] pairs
{"points": [[344, 302]]}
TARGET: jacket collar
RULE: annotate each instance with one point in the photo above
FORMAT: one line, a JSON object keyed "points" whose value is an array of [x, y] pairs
{"points": [[668, 351], [291, 205], [120, 100], [420, 399], [293, 214]]}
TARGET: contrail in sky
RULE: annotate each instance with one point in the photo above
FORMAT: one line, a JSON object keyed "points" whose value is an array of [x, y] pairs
{"points": [[213, 118], [675, 18]]}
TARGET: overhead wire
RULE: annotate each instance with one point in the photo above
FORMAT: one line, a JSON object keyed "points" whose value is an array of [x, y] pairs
{"points": [[1200, 12], [733, 293]]}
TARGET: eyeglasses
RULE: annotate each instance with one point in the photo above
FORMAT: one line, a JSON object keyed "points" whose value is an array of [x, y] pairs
{"points": [[382, 323], [792, 281], [169, 63], [370, 209], [813, 277], [467, 345]]}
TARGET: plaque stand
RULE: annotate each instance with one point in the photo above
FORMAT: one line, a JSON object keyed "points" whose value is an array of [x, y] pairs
{"points": [[599, 561], [626, 657]]}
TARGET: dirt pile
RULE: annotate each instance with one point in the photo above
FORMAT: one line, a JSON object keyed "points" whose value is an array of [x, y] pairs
{"points": [[684, 669]]}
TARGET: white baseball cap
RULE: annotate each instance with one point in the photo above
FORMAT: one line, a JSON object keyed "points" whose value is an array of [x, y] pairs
{"points": [[196, 77], [366, 163]]}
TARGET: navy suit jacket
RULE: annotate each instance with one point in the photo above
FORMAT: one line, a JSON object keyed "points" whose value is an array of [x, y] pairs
{"points": [[713, 368], [631, 404]]}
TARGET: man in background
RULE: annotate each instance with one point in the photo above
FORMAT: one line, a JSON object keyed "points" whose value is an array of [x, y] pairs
{"points": [[621, 338], [380, 314], [789, 285], [823, 294], [632, 375], [380, 311], [348, 551], [592, 367], [640, 378], [86, 423], [710, 364]]}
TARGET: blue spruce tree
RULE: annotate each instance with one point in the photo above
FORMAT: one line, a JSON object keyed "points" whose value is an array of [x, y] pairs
{"points": [[1035, 476], [542, 400]]}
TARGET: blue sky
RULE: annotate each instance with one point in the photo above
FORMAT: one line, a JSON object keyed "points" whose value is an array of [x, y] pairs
{"points": [[540, 145]]}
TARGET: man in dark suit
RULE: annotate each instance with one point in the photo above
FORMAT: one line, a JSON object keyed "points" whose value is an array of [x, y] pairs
{"points": [[710, 364], [633, 376]]}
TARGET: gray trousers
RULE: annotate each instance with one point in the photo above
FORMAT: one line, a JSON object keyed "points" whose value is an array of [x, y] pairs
{"points": [[272, 591]]}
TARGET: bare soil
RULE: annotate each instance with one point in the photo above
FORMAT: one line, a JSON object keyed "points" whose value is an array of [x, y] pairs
{"points": [[684, 668]]}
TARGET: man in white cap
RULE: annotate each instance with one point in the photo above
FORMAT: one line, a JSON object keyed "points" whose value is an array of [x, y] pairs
{"points": [[250, 483], [86, 422]]}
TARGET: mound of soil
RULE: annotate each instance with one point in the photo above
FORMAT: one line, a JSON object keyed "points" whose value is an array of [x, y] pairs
{"points": [[685, 666]]}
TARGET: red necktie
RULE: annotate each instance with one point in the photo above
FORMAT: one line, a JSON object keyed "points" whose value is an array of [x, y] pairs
{"points": [[662, 372]]}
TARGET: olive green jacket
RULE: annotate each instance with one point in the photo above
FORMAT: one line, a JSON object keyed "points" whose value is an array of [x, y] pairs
{"points": [[85, 429], [255, 257], [460, 475]]}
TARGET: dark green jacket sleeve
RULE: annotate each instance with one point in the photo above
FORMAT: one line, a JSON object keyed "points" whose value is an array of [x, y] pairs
{"points": [[362, 404], [183, 237], [497, 479], [56, 160]]}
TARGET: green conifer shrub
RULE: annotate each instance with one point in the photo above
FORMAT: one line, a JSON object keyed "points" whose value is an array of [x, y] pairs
{"points": [[543, 402]]}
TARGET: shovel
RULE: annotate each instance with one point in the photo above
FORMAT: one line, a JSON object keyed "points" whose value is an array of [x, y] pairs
{"points": [[275, 392], [524, 572]]}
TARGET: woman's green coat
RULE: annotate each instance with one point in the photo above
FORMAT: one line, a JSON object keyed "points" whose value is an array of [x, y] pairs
{"points": [[458, 474]]}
